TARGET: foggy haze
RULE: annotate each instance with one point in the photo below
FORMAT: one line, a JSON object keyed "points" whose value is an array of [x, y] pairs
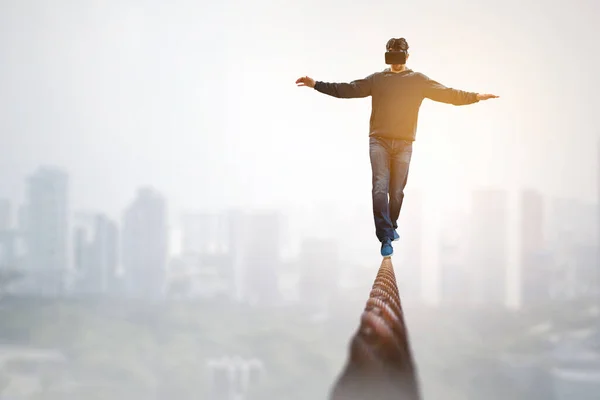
{"points": [[197, 99], [169, 198]]}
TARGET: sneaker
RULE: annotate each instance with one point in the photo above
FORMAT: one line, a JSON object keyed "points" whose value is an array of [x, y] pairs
{"points": [[396, 236], [386, 248]]}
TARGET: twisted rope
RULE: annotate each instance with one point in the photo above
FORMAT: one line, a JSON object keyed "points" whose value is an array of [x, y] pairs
{"points": [[380, 365]]}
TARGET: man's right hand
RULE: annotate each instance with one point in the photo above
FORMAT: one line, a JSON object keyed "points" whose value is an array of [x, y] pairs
{"points": [[306, 81]]}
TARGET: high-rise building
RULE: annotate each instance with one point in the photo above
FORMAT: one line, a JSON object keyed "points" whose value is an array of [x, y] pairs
{"points": [[571, 222], [233, 378], [8, 250], [255, 251], [596, 267], [144, 245], [535, 268], [5, 215], [488, 253], [96, 255], [319, 270], [46, 232], [454, 273], [204, 233], [81, 248], [205, 255], [409, 250], [585, 264], [573, 245], [8, 237], [576, 368]]}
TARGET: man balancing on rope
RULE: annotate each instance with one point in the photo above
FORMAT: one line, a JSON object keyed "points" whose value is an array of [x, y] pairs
{"points": [[397, 93]]}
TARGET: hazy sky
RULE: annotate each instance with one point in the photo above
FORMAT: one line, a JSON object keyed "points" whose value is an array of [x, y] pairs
{"points": [[198, 98]]}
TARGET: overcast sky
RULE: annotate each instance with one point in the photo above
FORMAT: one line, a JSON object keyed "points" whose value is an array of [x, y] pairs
{"points": [[197, 98]]}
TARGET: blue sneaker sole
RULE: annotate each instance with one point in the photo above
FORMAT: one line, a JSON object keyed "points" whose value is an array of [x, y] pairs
{"points": [[387, 255]]}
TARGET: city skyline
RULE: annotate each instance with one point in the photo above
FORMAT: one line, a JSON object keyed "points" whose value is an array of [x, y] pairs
{"points": [[10, 210], [523, 242]]}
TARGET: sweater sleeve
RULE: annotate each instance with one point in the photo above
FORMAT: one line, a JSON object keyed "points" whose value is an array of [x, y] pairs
{"points": [[437, 92], [356, 89]]}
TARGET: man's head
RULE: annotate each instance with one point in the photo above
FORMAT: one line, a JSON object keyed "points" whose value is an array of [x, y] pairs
{"points": [[396, 53]]}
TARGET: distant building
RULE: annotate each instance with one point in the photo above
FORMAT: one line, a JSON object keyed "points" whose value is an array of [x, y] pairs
{"points": [[236, 253], [587, 270], [8, 258], [575, 273], [34, 364], [454, 273], [576, 372], [205, 255], [409, 250], [318, 266], [46, 232], [200, 276], [535, 263], [572, 234], [571, 221], [144, 245], [204, 233], [233, 378], [488, 253], [528, 375], [454, 276], [596, 244], [96, 256], [5, 215], [255, 241], [8, 237]]}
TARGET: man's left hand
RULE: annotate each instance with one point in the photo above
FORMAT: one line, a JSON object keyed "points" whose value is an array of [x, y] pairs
{"points": [[486, 96]]}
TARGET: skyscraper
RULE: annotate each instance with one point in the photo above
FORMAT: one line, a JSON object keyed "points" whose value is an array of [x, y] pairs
{"points": [[96, 255], [596, 282], [319, 270], [410, 247], [5, 215], [46, 232], [204, 233], [144, 244], [488, 253], [534, 262], [574, 248], [7, 237], [255, 248], [454, 274]]}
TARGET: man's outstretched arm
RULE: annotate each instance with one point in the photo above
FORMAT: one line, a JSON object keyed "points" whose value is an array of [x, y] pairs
{"points": [[437, 92], [353, 90]]}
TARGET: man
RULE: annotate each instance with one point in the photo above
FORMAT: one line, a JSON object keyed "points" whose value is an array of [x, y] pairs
{"points": [[396, 96]]}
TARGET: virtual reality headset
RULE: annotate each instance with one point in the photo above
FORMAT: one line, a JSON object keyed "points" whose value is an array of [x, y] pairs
{"points": [[396, 51]]}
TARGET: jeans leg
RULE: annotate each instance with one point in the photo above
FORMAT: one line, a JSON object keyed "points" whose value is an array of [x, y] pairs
{"points": [[379, 152], [399, 166]]}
